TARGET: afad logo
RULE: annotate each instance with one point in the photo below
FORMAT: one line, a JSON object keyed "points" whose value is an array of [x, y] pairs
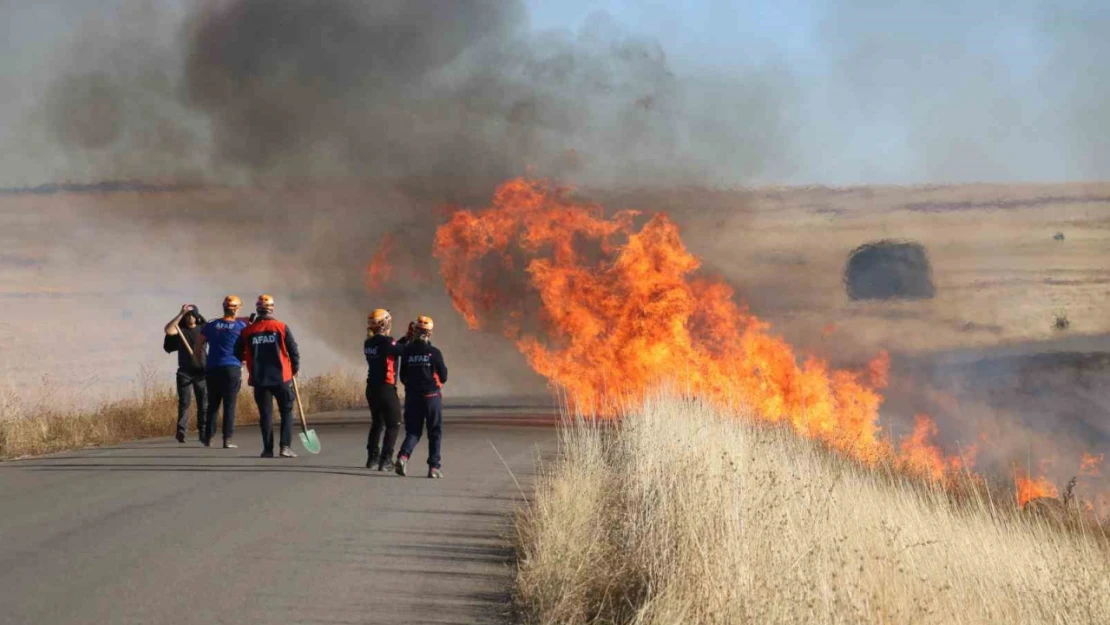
{"points": [[262, 339]]}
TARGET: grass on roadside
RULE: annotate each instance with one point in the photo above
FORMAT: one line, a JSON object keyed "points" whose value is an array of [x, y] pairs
{"points": [[682, 515], [43, 425]]}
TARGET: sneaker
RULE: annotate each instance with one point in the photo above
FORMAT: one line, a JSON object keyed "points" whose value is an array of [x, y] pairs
{"points": [[287, 453], [386, 464], [180, 437], [372, 460], [205, 441], [399, 466], [229, 445], [434, 473], [267, 454]]}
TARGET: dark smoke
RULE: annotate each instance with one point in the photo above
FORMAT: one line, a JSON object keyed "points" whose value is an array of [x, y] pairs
{"points": [[341, 87]]}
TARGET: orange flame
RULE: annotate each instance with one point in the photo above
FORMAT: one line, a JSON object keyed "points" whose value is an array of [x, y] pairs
{"points": [[919, 455], [379, 271], [623, 309], [1032, 488], [1090, 465]]}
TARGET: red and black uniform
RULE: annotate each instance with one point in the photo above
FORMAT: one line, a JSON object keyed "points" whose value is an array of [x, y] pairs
{"points": [[423, 373], [272, 358], [383, 356]]}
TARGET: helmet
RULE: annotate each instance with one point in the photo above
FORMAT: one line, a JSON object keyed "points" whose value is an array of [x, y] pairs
{"points": [[379, 320], [422, 327], [265, 303], [232, 301]]}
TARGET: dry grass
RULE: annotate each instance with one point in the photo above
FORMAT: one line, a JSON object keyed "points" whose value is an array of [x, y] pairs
{"points": [[48, 424], [683, 516]]}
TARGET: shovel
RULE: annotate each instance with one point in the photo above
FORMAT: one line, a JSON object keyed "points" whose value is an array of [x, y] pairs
{"points": [[308, 437]]}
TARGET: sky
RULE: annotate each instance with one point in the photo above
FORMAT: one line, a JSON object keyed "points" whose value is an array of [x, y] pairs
{"points": [[867, 91]]}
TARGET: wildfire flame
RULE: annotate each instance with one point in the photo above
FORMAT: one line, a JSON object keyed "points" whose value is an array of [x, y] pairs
{"points": [[623, 308], [1090, 465], [1031, 488], [379, 271]]}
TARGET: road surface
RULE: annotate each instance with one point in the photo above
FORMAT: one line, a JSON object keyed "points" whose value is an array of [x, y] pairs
{"points": [[159, 532]]}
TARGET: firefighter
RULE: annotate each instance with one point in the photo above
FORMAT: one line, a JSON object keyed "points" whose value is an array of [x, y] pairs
{"points": [[382, 357], [423, 373], [272, 358], [224, 375], [181, 332]]}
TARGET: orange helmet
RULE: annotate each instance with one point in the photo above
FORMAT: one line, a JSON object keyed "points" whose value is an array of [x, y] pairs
{"points": [[379, 320], [232, 301], [265, 303], [422, 327]]}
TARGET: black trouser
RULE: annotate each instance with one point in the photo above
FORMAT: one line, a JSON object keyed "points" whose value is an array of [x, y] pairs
{"points": [[223, 386], [385, 415], [185, 397], [264, 396], [421, 411]]}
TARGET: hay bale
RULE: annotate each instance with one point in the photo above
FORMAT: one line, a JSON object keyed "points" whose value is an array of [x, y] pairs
{"points": [[889, 269]]}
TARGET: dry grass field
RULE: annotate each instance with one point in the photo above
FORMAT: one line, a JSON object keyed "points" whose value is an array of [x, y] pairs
{"points": [[685, 515]]}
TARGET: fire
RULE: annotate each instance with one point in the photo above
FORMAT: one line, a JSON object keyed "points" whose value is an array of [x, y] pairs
{"points": [[620, 309], [1090, 465], [1032, 488], [609, 307], [379, 271], [918, 453]]}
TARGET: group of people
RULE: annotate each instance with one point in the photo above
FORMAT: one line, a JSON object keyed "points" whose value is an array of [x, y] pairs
{"points": [[211, 354], [210, 358]]}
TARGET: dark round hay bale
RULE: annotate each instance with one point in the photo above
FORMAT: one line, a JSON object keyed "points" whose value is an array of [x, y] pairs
{"points": [[889, 269]]}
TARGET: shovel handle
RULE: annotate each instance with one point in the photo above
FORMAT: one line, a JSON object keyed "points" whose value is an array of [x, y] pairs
{"points": [[300, 408], [185, 342]]}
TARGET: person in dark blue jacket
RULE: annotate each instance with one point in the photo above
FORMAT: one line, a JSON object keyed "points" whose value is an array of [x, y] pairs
{"points": [[382, 359], [423, 373]]}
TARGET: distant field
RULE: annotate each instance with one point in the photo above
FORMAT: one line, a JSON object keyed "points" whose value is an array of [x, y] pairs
{"points": [[84, 298]]}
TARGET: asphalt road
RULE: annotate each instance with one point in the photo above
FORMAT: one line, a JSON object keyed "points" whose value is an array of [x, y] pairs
{"points": [[160, 532]]}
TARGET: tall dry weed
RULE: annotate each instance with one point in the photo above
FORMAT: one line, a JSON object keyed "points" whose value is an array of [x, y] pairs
{"points": [[681, 515], [49, 423]]}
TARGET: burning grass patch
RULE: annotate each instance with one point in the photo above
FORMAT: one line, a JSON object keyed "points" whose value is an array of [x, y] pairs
{"points": [[683, 515], [41, 426]]}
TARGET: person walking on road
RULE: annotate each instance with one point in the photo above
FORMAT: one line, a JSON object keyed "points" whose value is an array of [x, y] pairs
{"points": [[382, 358], [224, 373], [273, 360], [423, 373], [181, 334]]}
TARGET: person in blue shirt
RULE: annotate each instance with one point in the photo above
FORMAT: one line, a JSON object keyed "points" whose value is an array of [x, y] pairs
{"points": [[224, 374]]}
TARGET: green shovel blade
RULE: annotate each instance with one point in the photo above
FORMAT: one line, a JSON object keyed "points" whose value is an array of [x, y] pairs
{"points": [[310, 442]]}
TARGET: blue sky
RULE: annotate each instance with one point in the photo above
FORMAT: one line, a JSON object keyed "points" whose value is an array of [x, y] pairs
{"points": [[715, 33], [901, 91]]}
